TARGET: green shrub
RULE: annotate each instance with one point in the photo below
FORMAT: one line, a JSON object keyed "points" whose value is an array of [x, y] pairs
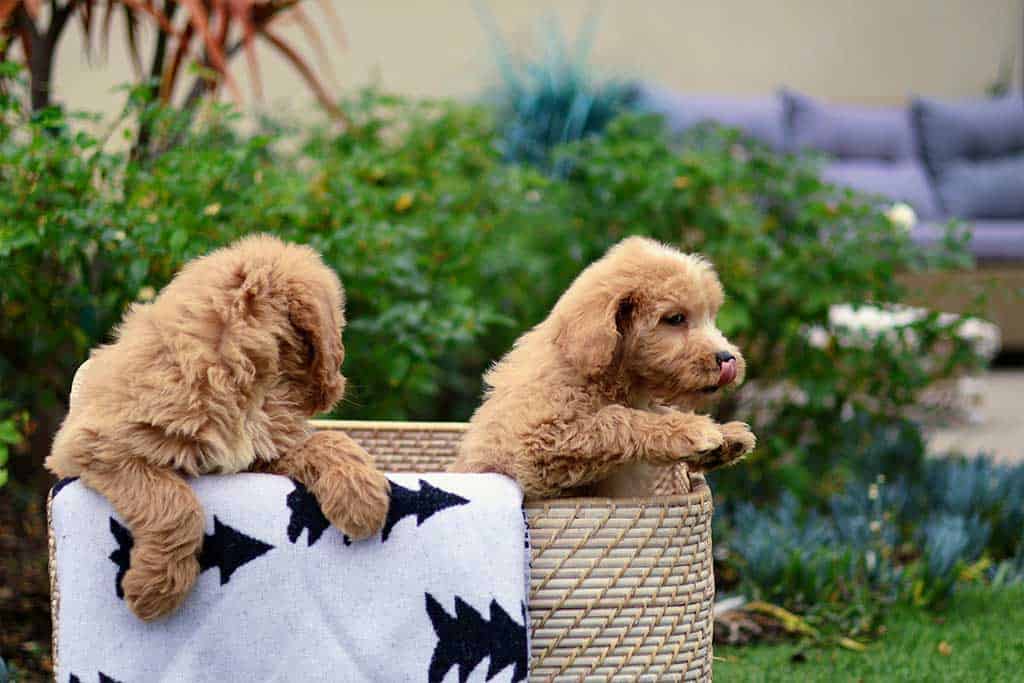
{"points": [[404, 206], [9, 436]]}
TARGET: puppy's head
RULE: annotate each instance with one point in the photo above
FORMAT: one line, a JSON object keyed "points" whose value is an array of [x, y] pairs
{"points": [[285, 314], [644, 316], [260, 311], [312, 356]]}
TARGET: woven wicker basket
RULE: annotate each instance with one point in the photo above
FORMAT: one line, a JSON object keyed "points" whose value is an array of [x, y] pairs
{"points": [[620, 590]]}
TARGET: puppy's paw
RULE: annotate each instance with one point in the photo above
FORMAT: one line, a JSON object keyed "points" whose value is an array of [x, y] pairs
{"points": [[354, 498], [155, 584], [737, 442], [702, 434]]}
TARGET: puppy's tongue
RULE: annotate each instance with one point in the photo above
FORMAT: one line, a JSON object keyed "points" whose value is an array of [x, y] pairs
{"points": [[728, 373]]}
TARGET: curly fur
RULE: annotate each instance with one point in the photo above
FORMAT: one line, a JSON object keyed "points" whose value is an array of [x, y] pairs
{"points": [[218, 375], [597, 399]]}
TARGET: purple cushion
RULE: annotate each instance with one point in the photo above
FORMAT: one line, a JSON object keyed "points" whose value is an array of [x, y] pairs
{"points": [[972, 130], [903, 181], [983, 189], [760, 117], [974, 151], [848, 132], [990, 241]]}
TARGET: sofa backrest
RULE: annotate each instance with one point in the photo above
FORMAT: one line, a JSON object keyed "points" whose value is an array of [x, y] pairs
{"points": [[974, 151], [847, 131], [944, 159], [759, 117]]}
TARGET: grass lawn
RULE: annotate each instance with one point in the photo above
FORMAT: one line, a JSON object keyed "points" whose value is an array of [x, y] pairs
{"points": [[984, 629]]}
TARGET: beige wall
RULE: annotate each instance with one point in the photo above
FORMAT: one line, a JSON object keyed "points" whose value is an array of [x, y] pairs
{"points": [[852, 50]]}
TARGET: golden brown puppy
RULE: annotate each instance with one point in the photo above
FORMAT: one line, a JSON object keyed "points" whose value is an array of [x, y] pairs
{"points": [[597, 399], [218, 374]]}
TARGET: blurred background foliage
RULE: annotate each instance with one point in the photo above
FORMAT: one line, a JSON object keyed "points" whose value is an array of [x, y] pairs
{"points": [[448, 253]]}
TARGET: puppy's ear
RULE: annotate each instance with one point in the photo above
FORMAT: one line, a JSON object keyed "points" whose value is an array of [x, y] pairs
{"points": [[591, 332], [319, 323]]}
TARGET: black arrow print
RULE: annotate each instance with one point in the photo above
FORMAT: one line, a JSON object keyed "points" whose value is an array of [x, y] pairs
{"points": [[306, 515], [122, 557], [61, 484], [226, 548], [104, 678], [423, 503], [467, 638]]}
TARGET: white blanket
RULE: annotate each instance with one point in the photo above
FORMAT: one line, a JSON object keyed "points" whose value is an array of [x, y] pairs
{"points": [[439, 596]]}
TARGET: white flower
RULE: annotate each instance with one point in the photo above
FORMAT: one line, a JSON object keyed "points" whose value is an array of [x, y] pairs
{"points": [[902, 216], [817, 337], [873, 492]]}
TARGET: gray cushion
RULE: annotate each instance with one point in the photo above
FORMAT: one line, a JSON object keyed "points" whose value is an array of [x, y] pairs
{"points": [[983, 189], [990, 240], [972, 130], [760, 117], [904, 181], [974, 151], [846, 131]]}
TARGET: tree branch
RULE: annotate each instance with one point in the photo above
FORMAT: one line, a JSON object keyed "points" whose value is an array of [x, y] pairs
{"points": [[25, 23], [58, 20], [200, 84], [156, 69]]}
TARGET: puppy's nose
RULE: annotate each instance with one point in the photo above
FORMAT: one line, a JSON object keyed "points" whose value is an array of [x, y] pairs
{"points": [[724, 357]]}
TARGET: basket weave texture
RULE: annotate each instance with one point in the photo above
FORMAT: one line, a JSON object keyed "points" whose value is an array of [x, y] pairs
{"points": [[620, 590]]}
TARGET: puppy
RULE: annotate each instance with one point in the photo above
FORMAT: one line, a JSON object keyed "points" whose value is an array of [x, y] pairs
{"points": [[597, 399], [218, 375]]}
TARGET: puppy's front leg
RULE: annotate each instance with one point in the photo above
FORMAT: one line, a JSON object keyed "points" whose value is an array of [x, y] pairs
{"points": [[737, 442], [583, 451], [663, 438], [165, 519], [353, 494]]}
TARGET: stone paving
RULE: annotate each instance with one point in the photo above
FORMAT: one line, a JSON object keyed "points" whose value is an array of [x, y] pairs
{"points": [[999, 429]]}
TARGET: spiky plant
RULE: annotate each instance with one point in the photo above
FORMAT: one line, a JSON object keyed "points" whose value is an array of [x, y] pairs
{"points": [[554, 98], [206, 33]]}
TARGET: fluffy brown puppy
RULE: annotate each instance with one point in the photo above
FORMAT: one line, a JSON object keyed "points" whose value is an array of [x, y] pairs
{"points": [[218, 374], [597, 399]]}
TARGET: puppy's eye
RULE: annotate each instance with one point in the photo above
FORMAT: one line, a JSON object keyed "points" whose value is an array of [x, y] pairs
{"points": [[674, 320]]}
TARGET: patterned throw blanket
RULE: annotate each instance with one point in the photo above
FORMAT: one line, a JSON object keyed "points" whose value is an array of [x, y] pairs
{"points": [[439, 596]]}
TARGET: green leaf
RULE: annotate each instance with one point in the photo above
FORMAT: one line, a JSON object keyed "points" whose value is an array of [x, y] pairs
{"points": [[733, 317], [8, 433], [138, 269], [179, 238]]}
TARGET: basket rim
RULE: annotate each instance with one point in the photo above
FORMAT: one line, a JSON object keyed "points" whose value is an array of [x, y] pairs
{"points": [[700, 493], [396, 425]]}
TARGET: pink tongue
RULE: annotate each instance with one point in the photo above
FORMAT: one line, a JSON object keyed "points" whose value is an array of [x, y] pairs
{"points": [[728, 373]]}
